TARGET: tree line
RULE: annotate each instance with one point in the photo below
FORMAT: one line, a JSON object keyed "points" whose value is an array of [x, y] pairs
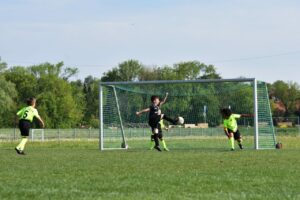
{"points": [[67, 103]]}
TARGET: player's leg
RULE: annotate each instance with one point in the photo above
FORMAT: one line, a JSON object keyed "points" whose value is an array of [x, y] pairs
{"points": [[155, 137], [160, 136], [165, 117], [24, 127], [152, 143], [238, 138], [231, 139]]}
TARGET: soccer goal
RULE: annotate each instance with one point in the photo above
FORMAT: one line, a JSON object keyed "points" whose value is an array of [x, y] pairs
{"points": [[197, 101]]}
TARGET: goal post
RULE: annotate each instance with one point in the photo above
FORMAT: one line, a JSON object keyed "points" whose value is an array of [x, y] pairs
{"points": [[197, 101]]}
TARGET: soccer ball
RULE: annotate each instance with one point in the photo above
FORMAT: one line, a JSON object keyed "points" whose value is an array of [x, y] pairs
{"points": [[279, 145], [180, 120]]}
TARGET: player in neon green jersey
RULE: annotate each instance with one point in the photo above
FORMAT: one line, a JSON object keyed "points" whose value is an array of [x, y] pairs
{"points": [[231, 127], [26, 116]]}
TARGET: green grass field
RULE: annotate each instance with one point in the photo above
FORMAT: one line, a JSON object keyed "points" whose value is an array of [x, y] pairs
{"points": [[77, 170]]}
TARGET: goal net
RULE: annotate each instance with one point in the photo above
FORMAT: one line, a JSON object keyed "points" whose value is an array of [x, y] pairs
{"points": [[198, 102]]}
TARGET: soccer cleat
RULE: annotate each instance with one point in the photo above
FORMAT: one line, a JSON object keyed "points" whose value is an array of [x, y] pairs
{"points": [[232, 149], [241, 146], [166, 149], [157, 148], [18, 151]]}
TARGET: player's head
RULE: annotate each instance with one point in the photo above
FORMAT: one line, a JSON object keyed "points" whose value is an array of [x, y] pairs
{"points": [[226, 112], [31, 101], [155, 100]]}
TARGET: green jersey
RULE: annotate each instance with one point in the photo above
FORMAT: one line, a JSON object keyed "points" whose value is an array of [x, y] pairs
{"points": [[231, 122], [27, 113]]}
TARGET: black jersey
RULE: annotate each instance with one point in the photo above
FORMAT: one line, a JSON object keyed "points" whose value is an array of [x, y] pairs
{"points": [[155, 113]]}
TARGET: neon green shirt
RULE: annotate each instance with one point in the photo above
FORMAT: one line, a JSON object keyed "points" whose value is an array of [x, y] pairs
{"points": [[231, 122], [28, 113]]}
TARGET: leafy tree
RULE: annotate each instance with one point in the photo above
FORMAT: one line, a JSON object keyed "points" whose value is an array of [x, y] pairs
{"points": [[91, 92], [56, 70], [195, 70], [25, 81], [79, 98], [288, 93], [188, 70], [3, 65], [60, 102], [126, 71], [8, 96]]}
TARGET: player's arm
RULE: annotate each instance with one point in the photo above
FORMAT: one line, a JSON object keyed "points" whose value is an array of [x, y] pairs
{"points": [[164, 100], [142, 111], [226, 131], [247, 115], [37, 116], [42, 124]]}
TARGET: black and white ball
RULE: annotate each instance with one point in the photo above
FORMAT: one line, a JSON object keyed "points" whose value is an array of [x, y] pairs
{"points": [[180, 120]]}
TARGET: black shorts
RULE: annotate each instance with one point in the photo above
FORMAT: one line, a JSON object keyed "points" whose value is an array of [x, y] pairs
{"points": [[160, 135], [236, 135], [24, 126], [157, 126]]}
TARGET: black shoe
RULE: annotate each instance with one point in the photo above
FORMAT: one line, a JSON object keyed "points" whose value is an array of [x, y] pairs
{"points": [[18, 151], [157, 148], [241, 146], [232, 149]]}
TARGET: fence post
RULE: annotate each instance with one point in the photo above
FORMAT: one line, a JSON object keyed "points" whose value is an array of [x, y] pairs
{"points": [[58, 132], [14, 133], [298, 125], [74, 133]]}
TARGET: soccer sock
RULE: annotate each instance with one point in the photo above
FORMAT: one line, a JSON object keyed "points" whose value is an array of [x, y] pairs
{"points": [[239, 141], [156, 140], [22, 144], [169, 119], [231, 142], [164, 144]]}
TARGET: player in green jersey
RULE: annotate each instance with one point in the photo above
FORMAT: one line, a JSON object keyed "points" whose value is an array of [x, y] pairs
{"points": [[26, 116], [231, 127]]}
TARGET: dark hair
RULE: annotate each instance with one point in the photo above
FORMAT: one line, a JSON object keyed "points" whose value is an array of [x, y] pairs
{"points": [[154, 97], [226, 112], [30, 101]]}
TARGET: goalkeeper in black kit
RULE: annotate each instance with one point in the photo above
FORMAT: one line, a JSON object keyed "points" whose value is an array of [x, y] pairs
{"points": [[155, 117]]}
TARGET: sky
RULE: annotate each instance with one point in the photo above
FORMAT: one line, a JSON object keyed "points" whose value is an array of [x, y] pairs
{"points": [[242, 38]]}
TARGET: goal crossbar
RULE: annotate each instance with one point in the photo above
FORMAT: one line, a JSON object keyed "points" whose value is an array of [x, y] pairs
{"points": [[179, 81]]}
